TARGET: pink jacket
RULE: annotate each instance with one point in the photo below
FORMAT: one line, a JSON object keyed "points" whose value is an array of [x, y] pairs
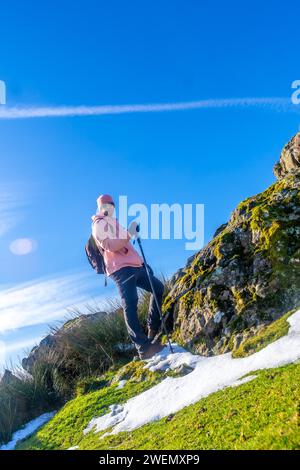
{"points": [[114, 242]]}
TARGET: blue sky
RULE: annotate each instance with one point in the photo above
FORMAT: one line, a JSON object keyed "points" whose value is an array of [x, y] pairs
{"points": [[118, 53]]}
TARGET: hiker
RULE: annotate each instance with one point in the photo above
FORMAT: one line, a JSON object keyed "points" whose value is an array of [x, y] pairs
{"points": [[125, 266]]}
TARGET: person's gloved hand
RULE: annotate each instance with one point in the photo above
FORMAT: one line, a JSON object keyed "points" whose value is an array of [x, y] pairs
{"points": [[132, 229]]}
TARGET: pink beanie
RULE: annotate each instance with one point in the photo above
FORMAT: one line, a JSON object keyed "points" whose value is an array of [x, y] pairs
{"points": [[104, 199]]}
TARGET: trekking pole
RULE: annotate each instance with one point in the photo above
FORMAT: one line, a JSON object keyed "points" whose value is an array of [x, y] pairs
{"points": [[153, 291]]}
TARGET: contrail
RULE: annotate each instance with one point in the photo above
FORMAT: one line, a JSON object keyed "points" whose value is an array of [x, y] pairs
{"points": [[18, 112]]}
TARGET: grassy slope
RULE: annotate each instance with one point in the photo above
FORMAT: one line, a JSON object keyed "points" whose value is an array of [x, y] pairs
{"points": [[66, 428], [261, 414]]}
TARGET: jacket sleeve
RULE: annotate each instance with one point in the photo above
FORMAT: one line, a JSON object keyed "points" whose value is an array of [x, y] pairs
{"points": [[106, 243]]}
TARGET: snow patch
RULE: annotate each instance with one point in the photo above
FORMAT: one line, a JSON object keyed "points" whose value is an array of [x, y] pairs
{"points": [[249, 378], [166, 361], [210, 374], [121, 384], [27, 430], [112, 418]]}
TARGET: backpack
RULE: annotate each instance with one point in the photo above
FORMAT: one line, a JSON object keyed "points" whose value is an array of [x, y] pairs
{"points": [[95, 257]]}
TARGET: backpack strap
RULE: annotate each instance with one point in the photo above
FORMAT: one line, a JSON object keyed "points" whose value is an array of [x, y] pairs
{"points": [[96, 219]]}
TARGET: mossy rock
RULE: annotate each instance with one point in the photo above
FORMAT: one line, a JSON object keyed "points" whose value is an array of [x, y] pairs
{"points": [[250, 272], [134, 371]]}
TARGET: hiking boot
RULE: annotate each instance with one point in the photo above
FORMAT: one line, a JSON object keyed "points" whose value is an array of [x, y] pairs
{"points": [[153, 349]]}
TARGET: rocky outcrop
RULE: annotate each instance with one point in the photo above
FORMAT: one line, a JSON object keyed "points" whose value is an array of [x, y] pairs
{"points": [[289, 159], [249, 274], [54, 341], [9, 379]]}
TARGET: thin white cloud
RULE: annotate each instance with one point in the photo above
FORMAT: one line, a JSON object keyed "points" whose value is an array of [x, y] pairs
{"points": [[48, 299], [18, 112], [12, 206], [18, 348], [2, 352], [23, 344]]}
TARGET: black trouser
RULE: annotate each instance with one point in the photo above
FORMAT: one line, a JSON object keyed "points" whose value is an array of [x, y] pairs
{"points": [[127, 280]]}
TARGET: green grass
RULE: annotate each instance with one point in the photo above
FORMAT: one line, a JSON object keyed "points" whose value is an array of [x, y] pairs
{"points": [[83, 351], [261, 414], [67, 426]]}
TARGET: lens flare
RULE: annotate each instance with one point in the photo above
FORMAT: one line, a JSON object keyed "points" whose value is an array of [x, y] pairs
{"points": [[22, 246]]}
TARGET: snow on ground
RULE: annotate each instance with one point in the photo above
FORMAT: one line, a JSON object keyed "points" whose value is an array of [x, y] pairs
{"points": [[27, 430], [166, 361], [244, 380], [121, 383], [209, 374]]}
